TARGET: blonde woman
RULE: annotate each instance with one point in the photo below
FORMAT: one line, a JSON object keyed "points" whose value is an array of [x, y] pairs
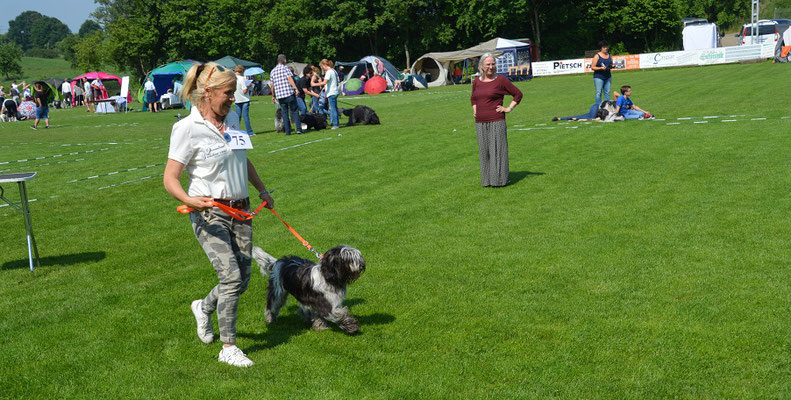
{"points": [[488, 91], [218, 171], [331, 85]]}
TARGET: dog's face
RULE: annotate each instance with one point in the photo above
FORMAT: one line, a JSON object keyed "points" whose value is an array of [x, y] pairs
{"points": [[342, 264], [346, 111]]}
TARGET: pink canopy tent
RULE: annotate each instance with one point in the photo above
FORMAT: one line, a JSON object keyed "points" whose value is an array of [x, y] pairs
{"points": [[102, 76]]}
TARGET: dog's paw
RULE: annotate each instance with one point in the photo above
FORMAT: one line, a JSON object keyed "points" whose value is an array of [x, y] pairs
{"points": [[319, 325], [350, 325], [270, 318]]}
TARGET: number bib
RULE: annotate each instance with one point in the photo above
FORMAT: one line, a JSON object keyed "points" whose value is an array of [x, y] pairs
{"points": [[238, 140]]}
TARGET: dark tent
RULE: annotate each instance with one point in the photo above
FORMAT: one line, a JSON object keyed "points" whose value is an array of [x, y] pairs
{"points": [[231, 61], [56, 82]]}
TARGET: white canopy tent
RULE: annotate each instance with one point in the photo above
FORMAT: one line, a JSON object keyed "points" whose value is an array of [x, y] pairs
{"points": [[437, 66]]}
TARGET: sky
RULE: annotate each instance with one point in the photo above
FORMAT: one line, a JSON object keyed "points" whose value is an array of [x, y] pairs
{"points": [[71, 12]]}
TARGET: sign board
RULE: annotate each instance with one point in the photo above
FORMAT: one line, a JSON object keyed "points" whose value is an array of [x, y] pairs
{"points": [[561, 67], [628, 62], [125, 86]]}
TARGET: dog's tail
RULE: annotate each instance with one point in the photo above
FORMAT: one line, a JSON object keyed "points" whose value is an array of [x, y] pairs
{"points": [[264, 260]]}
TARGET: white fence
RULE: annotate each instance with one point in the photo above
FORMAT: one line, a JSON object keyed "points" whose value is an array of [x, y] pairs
{"points": [[721, 55]]}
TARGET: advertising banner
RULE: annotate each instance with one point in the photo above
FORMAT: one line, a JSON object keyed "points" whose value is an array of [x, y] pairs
{"points": [[631, 61], [562, 67], [668, 59]]}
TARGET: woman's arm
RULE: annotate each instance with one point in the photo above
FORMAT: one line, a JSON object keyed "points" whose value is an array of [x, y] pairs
{"points": [[173, 171], [514, 91], [263, 194]]}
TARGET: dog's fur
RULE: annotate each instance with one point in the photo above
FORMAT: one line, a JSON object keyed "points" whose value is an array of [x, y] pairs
{"points": [[319, 288], [316, 121], [361, 115], [607, 113]]}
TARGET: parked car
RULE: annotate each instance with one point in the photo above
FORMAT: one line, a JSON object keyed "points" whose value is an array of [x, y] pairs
{"points": [[768, 32]]}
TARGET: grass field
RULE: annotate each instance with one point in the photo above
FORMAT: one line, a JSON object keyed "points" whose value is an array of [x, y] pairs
{"points": [[641, 259]]}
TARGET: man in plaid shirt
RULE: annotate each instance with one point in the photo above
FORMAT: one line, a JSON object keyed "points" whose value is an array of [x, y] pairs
{"points": [[284, 91]]}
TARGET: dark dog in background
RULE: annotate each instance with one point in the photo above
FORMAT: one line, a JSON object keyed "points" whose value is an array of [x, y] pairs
{"points": [[319, 288], [361, 115], [316, 121]]}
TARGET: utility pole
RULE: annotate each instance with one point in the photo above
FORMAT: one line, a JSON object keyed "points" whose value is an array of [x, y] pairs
{"points": [[754, 19]]}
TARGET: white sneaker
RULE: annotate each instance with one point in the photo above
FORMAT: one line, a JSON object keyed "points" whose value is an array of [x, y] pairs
{"points": [[234, 356], [205, 332]]}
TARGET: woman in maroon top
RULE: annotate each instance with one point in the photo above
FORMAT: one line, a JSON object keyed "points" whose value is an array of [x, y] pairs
{"points": [[488, 91]]}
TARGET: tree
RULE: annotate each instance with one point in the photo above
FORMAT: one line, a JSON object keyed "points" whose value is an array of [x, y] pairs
{"points": [[19, 28], [10, 56], [46, 32], [66, 48], [90, 52], [88, 27], [136, 33]]}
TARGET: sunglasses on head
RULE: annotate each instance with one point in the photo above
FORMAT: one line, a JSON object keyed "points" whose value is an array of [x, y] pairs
{"points": [[215, 67]]}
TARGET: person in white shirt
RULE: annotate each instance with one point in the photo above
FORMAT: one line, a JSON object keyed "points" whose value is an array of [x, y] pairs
{"points": [[331, 90], [242, 101], [86, 87], [219, 172], [96, 87], [65, 88], [151, 95]]}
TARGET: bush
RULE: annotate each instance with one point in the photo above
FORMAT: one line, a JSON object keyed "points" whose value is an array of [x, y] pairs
{"points": [[42, 53]]}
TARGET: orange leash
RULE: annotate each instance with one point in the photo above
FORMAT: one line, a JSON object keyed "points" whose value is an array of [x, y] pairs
{"points": [[245, 216]]}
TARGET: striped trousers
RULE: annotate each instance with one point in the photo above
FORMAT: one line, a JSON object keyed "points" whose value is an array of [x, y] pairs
{"points": [[493, 152]]}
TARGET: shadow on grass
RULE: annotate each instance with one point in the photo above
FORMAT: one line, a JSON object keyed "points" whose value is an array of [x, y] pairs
{"points": [[516, 176], [66, 259], [291, 325]]}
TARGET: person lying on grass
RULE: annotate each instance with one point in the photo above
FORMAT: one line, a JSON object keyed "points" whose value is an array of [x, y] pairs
{"points": [[593, 110], [624, 106]]}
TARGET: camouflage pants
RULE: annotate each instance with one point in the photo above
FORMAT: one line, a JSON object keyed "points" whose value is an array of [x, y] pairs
{"points": [[228, 243]]}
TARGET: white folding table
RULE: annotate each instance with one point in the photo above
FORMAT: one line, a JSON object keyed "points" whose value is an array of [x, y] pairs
{"points": [[22, 206]]}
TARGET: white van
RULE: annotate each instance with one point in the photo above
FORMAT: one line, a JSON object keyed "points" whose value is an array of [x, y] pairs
{"points": [[767, 33]]}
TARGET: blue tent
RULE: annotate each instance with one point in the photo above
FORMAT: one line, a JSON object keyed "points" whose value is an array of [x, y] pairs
{"points": [[378, 64], [163, 77]]}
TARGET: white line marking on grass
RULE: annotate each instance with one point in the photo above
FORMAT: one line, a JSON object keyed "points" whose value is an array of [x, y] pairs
{"points": [[32, 200], [572, 127], [674, 123], [55, 156], [128, 182], [729, 120], [711, 116], [660, 119], [701, 122], [786, 117], [684, 118], [114, 173], [541, 124], [44, 165], [298, 145], [757, 119]]}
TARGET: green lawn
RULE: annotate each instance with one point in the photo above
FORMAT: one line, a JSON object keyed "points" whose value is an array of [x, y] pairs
{"points": [[640, 259]]}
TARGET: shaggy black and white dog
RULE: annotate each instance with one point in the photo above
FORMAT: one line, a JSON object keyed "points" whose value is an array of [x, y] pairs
{"points": [[361, 115], [319, 288], [316, 121], [607, 113]]}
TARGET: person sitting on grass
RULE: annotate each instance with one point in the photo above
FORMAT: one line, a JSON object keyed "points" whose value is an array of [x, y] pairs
{"points": [[624, 106]]}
